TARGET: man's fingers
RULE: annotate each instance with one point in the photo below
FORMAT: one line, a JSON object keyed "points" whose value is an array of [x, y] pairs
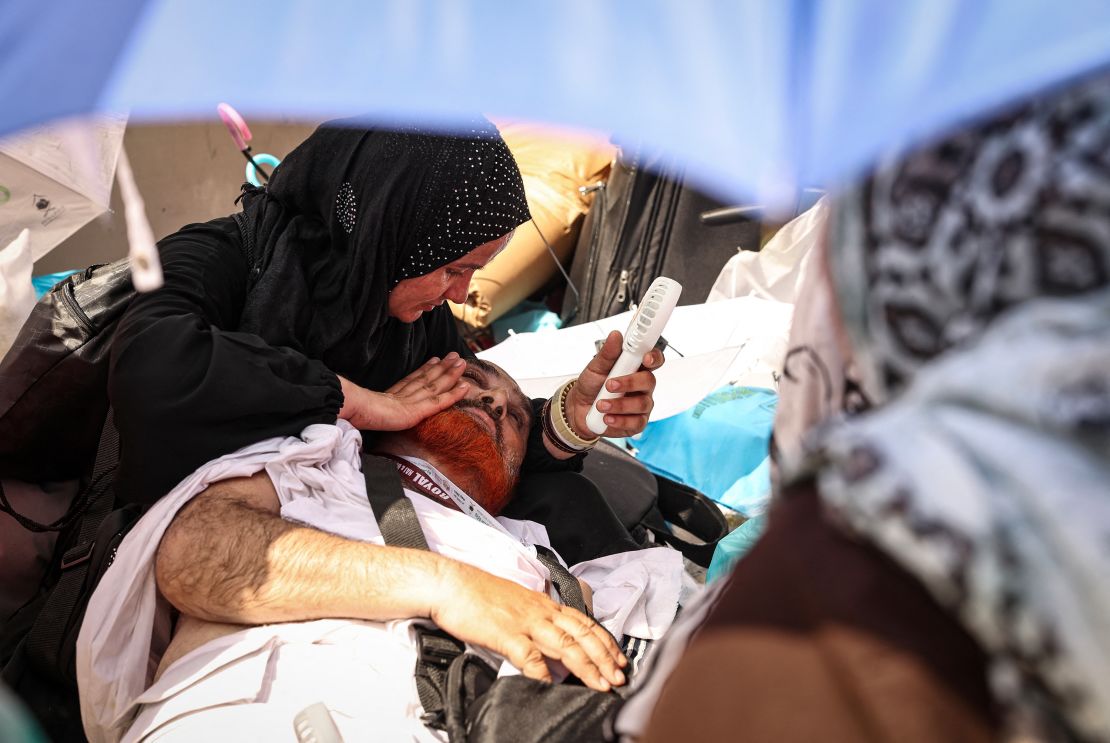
{"points": [[607, 640], [623, 426], [628, 405], [566, 646], [604, 359], [523, 653], [641, 381], [653, 359], [595, 642], [611, 348]]}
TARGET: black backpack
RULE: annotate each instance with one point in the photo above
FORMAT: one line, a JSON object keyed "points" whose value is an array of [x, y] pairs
{"points": [[54, 425]]}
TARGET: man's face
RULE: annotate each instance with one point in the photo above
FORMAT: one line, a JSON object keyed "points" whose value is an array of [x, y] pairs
{"points": [[495, 401], [480, 441]]}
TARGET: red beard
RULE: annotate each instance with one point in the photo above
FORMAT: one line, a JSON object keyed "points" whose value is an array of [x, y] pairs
{"points": [[469, 455]]}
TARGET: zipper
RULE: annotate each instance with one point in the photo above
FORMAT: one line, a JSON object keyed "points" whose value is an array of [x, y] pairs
{"points": [[595, 248], [633, 169], [622, 286], [70, 301]]}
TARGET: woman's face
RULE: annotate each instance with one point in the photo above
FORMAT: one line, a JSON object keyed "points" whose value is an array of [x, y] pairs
{"points": [[411, 298]]}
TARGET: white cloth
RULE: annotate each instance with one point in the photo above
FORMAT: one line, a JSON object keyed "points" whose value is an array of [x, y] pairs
{"points": [[777, 271], [319, 482], [17, 293]]}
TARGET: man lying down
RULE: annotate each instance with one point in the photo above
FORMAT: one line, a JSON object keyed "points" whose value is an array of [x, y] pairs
{"points": [[326, 612]]}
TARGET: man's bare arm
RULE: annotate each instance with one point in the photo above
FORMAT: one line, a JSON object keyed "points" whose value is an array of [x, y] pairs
{"points": [[229, 557]]}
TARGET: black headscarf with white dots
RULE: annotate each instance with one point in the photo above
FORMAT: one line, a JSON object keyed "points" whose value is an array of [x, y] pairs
{"points": [[353, 211]]}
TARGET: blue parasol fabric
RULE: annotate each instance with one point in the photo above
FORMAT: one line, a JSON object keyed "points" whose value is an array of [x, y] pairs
{"points": [[756, 97]]}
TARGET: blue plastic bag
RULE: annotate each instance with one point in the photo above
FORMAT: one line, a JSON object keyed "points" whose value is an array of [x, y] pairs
{"points": [[526, 317], [720, 447], [734, 546], [46, 282]]}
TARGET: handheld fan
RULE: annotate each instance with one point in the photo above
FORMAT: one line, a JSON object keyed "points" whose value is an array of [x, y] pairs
{"points": [[641, 336]]}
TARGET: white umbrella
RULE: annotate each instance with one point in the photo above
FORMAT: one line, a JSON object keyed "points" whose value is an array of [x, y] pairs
{"points": [[55, 179]]}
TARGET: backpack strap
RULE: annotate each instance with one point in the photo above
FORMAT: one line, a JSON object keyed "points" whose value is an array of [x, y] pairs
{"points": [[566, 585], [437, 650], [400, 527], [48, 633], [396, 517], [245, 223], [699, 518]]}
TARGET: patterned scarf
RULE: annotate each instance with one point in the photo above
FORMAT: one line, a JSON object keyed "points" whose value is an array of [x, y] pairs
{"points": [[973, 277]]}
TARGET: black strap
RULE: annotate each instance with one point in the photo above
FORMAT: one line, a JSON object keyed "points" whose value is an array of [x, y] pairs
{"points": [[44, 641], [396, 517], [400, 527], [566, 585], [242, 221], [691, 511]]}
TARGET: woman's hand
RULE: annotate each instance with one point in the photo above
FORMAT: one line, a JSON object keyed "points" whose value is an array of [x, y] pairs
{"points": [[626, 415], [433, 387]]}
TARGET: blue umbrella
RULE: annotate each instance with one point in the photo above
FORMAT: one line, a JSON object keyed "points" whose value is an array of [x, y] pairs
{"points": [[755, 97]]}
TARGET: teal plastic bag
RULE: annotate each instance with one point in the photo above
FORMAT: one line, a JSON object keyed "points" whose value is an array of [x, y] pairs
{"points": [[46, 282], [734, 546], [526, 317], [719, 447]]}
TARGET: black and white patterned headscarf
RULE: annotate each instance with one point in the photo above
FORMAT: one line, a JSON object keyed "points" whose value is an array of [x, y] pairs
{"points": [[936, 244], [353, 211], [973, 278]]}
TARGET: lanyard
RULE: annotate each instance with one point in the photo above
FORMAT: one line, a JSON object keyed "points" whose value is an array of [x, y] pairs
{"points": [[426, 479]]}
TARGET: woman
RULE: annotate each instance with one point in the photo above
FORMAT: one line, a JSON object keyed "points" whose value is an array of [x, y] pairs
{"points": [[324, 299], [938, 569]]}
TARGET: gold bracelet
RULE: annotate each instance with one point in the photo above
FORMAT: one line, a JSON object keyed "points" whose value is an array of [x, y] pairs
{"points": [[561, 422]]}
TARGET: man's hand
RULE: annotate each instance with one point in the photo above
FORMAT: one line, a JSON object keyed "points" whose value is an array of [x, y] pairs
{"points": [[525, 627], [433, 387], [625, 416]]}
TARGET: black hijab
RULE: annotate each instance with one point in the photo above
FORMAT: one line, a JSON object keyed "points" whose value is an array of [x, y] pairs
{"points": [[350, 213]]}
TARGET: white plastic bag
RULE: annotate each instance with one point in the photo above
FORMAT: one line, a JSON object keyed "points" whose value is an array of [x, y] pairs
{"points": [[17, 293], [776, 271]]}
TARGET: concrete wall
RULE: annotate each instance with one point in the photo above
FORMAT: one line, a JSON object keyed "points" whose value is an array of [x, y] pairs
{"points": [[185, 172]]}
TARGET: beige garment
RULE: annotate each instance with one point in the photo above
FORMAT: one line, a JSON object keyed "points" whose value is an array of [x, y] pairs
{"points": [[817, 379]]}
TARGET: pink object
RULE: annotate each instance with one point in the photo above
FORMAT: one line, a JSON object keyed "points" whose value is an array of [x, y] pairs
{"points": [[236, 126]]}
